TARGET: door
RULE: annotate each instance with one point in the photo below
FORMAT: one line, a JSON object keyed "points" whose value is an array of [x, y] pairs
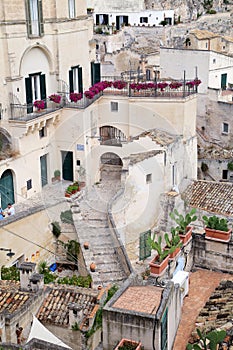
{"points": [[95, 73], [43, 170], [67, 166], [7, 189], [224, 81]]}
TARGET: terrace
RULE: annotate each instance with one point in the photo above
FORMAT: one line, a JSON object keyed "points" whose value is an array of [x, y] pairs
{"points": [[150, 90]]}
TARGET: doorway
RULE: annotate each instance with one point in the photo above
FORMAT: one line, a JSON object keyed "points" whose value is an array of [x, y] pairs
{"points": [[7, 189], [67, 166], [43, 170]]}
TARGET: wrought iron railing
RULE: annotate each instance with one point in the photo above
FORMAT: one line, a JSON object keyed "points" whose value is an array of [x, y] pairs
{"points": [[25, 112]]}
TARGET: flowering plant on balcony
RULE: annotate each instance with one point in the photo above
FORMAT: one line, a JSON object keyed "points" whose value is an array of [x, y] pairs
{"points": [[193, 83], [142, 86], [106, 84], [162, 86], [175, 85], [89, 94], [119, 84], [55, 98], [39, 104], [74, 96]]}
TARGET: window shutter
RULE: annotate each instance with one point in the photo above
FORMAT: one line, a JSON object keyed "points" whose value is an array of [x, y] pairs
{"points": [[80, 79], [43, 88], [97, 73], [71, 81], [28, 86], [41, 21], [144, 245], [97, 19], [92, 73], [28, 19]]}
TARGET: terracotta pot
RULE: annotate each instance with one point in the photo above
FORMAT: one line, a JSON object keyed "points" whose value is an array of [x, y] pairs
{"points": [[67, 194], [92, 267], [217, 235], [185, 238], [156, 267], [138, 345], [86, 245], [174, 254]]}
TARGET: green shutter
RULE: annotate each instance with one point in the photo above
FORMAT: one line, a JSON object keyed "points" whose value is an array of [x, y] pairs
{"points": [[97, 73], [41, 21], [28, 87], [43, 88], [80, 79], [71, 80], [144, 246], [28, 19], [92, 73]]}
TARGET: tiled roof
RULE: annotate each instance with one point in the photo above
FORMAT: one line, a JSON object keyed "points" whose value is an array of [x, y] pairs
{"points": [[203, 34], [11, 298], [145, 299], [139, 157], [54, 309], [161, 137], [218, 310], [216, 197]]}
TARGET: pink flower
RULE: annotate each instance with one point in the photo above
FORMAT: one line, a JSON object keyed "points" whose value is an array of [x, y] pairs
{"points": [[74, 96], [175, 85], [55, 98], [119, 84], [40, 104], [89, 94]]}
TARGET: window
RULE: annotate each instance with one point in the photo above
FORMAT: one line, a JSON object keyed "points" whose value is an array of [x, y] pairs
{"points": [[225, 128], [143, 19], [214, 60], [42, 132], [95, 73], [35, 86], [34, 18], [144, 246], [225, 174], [71, 8], [29, 184], [76, 79], [114, 106], [148, 178]]}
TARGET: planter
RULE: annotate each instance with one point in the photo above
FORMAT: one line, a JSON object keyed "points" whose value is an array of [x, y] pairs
{"points": [[173, 255], [92, 267], [129, 344], [188, 235], [222, 236], [156, 267], [67, 195]]}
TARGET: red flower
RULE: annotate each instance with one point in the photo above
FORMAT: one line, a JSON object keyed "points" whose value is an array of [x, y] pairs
{"points": [[40, 104], [55, 98], [74, 96]]}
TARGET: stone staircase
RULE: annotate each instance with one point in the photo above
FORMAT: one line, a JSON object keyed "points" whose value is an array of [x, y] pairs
{"points": [[90, 220]]}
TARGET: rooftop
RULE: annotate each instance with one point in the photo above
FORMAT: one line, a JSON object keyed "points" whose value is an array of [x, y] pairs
{"points": [[203, 34], [161, 137], [215, 197], [139, 157], [54, 309], [11, 298], [145, 299]]}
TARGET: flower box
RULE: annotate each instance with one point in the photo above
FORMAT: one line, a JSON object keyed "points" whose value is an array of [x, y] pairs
{"points": [[173, 255], [156, 267], [185, 238], [128, 344], [222, 236]]}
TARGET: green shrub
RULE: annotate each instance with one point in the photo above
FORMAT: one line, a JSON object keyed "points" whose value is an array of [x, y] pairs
{"points": [[216, 223], [56, 229], [10, 273], [67, 217], [230, 166]]}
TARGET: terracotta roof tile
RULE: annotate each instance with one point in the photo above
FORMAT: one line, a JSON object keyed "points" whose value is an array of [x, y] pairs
{"points": [[145, 299], [11, 298], [216, 197], [54, 309]]}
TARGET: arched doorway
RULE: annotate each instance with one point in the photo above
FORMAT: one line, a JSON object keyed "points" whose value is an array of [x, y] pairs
{"points": [[7, 188], [111, 166]]}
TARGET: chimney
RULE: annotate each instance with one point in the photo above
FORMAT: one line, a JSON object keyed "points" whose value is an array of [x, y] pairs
{"points": [[75, 314], [26, 270], [36, 282]]}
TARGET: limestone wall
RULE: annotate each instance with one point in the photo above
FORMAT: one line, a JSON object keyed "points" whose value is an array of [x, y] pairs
{"points": [[212, 255]]}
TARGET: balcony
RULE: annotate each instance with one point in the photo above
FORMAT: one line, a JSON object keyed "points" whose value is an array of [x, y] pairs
{"points": [[151, 90]]}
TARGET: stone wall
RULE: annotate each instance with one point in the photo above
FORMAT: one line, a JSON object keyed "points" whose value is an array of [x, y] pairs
{"points": [[212, 255]]}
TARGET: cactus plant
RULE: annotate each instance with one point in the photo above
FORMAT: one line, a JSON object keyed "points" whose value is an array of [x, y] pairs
{"points": [[209, 340], [216, 223], [157, 245], [183, 221], [173, 242]]}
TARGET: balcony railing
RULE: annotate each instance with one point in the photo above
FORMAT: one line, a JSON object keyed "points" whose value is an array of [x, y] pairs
{"points": [[26, 112]]}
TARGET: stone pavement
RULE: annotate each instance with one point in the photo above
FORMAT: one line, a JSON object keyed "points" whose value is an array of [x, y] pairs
{"points": [[202, 284]]}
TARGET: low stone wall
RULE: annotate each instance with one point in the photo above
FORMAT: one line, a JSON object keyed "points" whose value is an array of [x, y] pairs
{"points": [[212, 255]]}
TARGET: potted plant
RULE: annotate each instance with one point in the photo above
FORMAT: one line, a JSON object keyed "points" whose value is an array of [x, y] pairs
{"points": [[55, 98], [57, 176], [72, 189], [160, 262], [217, 228], [209, 340], [184, 229], [173, 243], [127, 344], [39, 104]]}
